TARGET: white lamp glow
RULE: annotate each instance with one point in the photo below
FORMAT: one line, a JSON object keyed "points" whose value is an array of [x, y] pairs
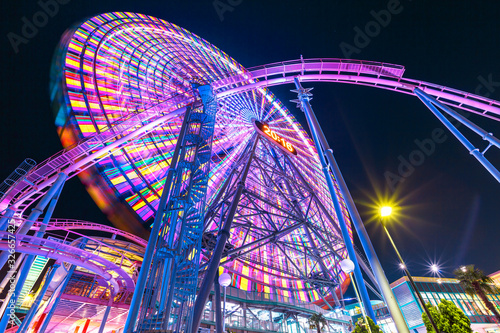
{"points": [[385, 211], [347, 266], [225, 279]]}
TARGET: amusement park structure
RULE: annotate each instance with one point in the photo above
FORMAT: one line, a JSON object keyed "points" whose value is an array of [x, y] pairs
{"points": [[202, 170]]}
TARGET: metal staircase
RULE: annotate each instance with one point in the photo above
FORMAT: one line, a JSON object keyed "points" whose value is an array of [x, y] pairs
{"points": [[170, 288]]}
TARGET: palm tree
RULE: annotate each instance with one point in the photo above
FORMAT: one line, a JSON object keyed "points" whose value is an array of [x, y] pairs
{"points": [[317, 319], [475, 282]]}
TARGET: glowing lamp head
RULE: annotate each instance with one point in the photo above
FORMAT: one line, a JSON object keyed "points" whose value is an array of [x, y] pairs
{"points": [[385, 211], [225, 279], [435, 268], [347, 266]]}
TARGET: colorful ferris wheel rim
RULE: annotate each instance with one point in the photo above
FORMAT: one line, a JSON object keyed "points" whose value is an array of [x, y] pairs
{"points": [[116, 65]]}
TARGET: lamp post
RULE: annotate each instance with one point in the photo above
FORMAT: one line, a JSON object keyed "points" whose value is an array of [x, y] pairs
{"points": [[348, 267], [384, 213], [224, 280]]}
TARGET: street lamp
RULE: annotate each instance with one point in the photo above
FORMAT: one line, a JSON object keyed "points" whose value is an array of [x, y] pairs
{"points": [[435, 269], [224, 280], [384, 213], [348, 267]]}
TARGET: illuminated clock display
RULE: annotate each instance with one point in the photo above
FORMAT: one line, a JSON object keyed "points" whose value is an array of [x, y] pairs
{"points": [[282, 143]]}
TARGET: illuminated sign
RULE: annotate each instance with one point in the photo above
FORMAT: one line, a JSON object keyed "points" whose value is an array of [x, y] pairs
{"points": [[274, 137]]}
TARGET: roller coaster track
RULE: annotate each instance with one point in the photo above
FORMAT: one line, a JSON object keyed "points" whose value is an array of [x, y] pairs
{"points": [[68, 254], [71, 224], [367, 73], [359, 72], [82, 155]]}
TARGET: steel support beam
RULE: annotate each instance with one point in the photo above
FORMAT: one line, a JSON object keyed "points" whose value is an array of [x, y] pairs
{"points": [[383, 284], [106, 314], [431, 104], [318, 138], [218, 310], [36, 304], [53, 306]]}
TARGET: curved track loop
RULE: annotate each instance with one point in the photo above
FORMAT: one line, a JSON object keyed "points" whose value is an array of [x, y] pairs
{"points": [[71, 224], [368, 73], [82, 155], [359, 72], [69, 254]]}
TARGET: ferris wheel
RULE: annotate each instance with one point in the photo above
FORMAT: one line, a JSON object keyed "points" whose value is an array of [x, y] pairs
{"points": [[119, 65]]}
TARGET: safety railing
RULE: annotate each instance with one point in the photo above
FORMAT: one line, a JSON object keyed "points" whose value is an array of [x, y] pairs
{"points": [[359, 72], [260, 297], [82, 155], [240, 322], [59, 250], [315, 65], [16, 176]]}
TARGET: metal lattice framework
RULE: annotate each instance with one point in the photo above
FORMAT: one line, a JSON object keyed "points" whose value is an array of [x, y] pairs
{"points": [[278, 212]]}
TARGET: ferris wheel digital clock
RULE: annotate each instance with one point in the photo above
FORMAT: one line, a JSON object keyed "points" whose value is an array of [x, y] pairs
{"points": [[281, 142]]}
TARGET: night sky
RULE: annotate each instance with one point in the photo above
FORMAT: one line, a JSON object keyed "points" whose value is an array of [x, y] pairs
{"points": [[447, 205]]}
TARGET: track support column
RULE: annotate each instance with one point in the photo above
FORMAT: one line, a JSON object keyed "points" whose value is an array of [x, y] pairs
{"points": [[383, 284], [316, 133], [106, 314], [431, 103], [53, 307], [34, 307], [218, 310]]}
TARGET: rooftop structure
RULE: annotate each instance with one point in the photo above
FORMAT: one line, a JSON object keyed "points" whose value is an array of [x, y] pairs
{"points": [[433, 290]]}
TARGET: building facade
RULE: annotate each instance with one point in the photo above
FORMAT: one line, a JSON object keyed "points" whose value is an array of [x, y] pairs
{"points": [[435, 289]]}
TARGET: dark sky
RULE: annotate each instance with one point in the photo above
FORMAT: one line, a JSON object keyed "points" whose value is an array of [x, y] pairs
{"points": [[448, 205]]}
